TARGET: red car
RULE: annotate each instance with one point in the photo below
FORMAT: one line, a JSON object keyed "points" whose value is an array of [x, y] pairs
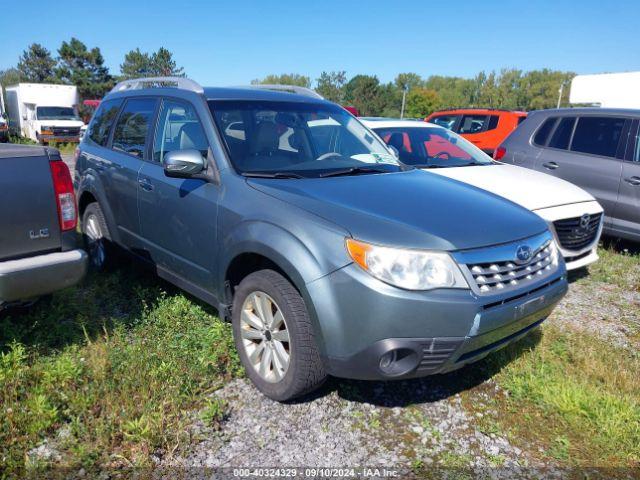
{"points": [[486, 128]]}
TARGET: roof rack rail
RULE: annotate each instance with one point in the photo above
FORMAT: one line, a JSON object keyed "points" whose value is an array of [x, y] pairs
{"points": [[158, 82], [307, 92]]}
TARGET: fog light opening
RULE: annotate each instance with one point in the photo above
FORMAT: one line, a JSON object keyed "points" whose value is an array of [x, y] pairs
{"points": [[388, 360], [398, 361]]}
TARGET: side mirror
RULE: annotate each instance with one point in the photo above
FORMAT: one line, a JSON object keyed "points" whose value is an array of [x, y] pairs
{"points": [[183, 163], [394, 150]]}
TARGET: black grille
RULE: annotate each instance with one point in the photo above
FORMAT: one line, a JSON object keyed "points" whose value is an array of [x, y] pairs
{"points": [[66, 131], [576, 234], [436, 352]]}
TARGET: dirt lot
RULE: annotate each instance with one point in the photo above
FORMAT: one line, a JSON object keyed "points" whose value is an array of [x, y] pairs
{"points": [[126, 371]]}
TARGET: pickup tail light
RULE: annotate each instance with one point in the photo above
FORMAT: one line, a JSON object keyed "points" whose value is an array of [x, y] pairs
{"points": [[499, 153], [65, 196]]}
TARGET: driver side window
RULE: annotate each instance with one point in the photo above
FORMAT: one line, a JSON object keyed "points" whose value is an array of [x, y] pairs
{"points": [[178, 128]]}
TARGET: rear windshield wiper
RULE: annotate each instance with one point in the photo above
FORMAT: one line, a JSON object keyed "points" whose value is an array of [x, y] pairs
{"points": [[271, 175], [352, 171]]}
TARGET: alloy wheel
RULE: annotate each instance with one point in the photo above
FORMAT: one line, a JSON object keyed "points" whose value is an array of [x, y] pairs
{"points": [[265, 336]]}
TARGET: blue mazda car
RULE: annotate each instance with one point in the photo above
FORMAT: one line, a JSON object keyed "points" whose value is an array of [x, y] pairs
{"points": [[302, 228]]}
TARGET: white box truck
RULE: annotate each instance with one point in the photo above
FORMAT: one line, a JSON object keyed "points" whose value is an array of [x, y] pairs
{"points": [[4, 127], [44, 112], [607, 90]]}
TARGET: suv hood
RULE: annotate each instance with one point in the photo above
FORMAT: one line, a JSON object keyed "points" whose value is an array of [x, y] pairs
{"points": [[533, 190], [408, 209]]}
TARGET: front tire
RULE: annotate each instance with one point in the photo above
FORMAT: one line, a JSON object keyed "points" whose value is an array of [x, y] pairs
{"points": [[274, 337]]}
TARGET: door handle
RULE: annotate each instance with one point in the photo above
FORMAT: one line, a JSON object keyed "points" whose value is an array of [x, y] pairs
{"points": [[550, 165], [145, 184], [635, 181]]}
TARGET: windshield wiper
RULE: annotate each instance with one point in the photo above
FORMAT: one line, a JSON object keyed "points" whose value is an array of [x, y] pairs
{"points": [[352, 171], [431, 165], [271, 175]]}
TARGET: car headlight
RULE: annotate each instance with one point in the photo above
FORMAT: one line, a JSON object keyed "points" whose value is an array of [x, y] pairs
{"points": [[408, 269]]}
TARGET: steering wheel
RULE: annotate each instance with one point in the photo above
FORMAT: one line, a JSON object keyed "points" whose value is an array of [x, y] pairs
{"points": [[324, 156], [444, 155]]}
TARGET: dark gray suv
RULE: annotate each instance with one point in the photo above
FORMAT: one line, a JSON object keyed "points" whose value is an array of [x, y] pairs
{"points": [[294, 220], [597, 149]]}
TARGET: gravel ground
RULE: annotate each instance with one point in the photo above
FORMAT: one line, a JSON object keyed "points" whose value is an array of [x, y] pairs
{"points": [[415, 425]]}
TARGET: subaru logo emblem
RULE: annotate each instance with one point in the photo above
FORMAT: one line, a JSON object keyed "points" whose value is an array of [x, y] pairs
{"points": [[584, 221], [523, 254]]}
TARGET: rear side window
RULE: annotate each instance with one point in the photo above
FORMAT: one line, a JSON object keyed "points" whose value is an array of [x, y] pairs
{"points": [[521, 119], [473, 123], [446, 121], [493, 122], [103, 120], [179, 128], [542, 135], [562, 134], [131, 129], [598, 135]]}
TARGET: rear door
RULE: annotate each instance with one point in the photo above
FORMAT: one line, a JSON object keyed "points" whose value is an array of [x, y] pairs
{"points": [[627, 214], [120, 165], [178, 216], [586, 151]]}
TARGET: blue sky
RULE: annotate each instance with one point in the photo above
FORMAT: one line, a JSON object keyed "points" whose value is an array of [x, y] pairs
{"points": [[233, 42]]}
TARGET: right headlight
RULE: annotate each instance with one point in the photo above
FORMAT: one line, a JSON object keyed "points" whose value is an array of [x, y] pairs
{"points": [[405, 268]]}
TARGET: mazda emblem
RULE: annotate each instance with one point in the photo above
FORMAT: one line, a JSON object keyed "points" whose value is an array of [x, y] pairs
{"points": [[584, 221]]}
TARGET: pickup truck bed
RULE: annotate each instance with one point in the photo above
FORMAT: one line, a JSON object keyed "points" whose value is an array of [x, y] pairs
{"points": [[38, 253]]}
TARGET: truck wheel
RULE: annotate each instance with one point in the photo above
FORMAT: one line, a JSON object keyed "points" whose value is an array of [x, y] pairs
{"points": [[274, 337], [96, 237]]}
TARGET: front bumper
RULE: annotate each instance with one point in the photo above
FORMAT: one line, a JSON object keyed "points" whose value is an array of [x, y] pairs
{"points": [[361, 318], [60, 138], [31, 277]]}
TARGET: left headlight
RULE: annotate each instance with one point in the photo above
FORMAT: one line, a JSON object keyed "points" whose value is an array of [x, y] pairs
{"points": [[408, 269]]}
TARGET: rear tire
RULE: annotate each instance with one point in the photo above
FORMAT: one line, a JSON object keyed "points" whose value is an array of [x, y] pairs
{"points": [[274, 337], [97, 239]]}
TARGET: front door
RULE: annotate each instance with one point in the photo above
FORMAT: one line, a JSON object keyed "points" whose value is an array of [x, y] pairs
{"points": [[178, 216]]}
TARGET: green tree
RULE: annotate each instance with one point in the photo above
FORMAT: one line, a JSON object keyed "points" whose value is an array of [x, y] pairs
{"points": [[284, 79], [36, 64], [136, 64], [421, 102], [331, 85], [453, 91], [408, 81], [9, 77], [365, 93], [163, 64], [83, 68], [139, 64]]}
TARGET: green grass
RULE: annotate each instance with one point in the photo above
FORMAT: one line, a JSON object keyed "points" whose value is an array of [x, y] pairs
{"points": [[117, 365], [575, 395], [617, 265]]}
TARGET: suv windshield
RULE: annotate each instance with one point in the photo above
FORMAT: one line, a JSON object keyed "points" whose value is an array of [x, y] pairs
{"points": [[56, 113], [432, 147], [294, 140]]}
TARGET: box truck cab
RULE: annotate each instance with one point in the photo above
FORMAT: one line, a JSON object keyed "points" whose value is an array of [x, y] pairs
{"points": [[44, 112]]}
